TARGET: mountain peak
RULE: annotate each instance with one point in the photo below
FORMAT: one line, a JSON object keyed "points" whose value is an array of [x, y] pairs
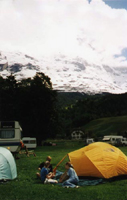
{"points": [[67, 73]]}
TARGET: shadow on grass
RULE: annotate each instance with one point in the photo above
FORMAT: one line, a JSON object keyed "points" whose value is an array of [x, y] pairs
{"points": [[117, 178]]}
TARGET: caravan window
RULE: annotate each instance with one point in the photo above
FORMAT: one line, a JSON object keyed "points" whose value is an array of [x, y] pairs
{"points": [[29, 141], [32, 141], [118, 139], [6, 134]]}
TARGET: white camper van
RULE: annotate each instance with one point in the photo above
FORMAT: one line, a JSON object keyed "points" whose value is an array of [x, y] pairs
{"points": [[31, 143], [10, 135], [113, 139]]}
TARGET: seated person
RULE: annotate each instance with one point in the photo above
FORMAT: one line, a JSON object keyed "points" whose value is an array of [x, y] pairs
{"points": [[50, 169], [42, 164], [73, 179], [46, 177]]}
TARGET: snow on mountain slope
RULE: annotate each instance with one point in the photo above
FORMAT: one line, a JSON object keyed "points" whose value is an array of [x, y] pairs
{"points": [[66, 73]]}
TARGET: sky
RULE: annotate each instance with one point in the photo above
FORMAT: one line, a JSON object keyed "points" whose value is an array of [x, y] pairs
{"points": [[95, 30], [118, 4]]}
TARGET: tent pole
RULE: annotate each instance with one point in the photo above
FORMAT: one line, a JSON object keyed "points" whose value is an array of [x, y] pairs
{"points": [[54, 170]]}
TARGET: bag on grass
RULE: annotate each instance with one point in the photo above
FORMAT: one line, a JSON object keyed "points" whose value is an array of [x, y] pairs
{"points": [[63, 177]]}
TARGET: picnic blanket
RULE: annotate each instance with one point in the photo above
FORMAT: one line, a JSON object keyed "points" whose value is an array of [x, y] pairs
{"points": [[82, 180]]}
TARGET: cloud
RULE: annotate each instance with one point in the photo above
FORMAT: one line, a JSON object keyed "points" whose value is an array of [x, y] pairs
{"points": [[93, 31]]}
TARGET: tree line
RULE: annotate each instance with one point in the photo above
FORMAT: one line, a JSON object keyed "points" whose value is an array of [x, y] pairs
{"points": [[32, 102]]}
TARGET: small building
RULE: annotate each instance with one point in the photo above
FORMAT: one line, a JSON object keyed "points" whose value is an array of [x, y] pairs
{"points": [[77, 134]]}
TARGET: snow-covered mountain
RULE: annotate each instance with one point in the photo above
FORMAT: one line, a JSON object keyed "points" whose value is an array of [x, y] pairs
{"points": [[66, 73]]}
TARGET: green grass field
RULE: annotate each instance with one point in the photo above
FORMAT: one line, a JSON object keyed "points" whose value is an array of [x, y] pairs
{"points": [[27, 187], [107, 126]]}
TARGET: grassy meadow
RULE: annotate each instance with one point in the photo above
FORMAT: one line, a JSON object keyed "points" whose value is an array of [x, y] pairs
{"points": [[27, 187], [107, 126]]}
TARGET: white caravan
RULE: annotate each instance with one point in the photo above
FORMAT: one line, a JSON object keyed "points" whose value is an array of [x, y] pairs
{"points": [[10, 135], [113, 139], [31, 143], [89, 140]]}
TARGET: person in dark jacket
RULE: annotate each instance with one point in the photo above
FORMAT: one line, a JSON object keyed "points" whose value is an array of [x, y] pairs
{"points": [[42, 164]]}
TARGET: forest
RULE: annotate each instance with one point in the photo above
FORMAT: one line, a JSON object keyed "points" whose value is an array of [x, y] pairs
{"points": [[45, 113], [32, 102]]}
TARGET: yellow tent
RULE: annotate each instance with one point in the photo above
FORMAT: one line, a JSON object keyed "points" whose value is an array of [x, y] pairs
{"points": [[99, 160]]}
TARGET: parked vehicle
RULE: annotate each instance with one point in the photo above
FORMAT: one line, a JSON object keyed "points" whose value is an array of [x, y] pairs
{"points": [[124, 141], [113, 139], [89, 140], [10, 135], [31, 143], [49, 144]]}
